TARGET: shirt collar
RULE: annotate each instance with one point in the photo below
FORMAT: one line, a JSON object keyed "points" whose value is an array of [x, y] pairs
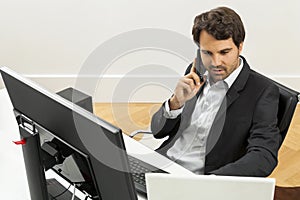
{"points": [[231, 78]]}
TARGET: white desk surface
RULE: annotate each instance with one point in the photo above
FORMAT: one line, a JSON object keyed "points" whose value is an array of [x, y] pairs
{"points": [[13, 183]]}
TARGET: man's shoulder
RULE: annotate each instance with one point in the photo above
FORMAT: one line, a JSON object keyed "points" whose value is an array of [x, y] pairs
{"points": [[258, 77], [260, 81]]}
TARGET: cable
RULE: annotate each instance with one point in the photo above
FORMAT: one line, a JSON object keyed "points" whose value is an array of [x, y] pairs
{"points": [[62, 192], [73, 196]]}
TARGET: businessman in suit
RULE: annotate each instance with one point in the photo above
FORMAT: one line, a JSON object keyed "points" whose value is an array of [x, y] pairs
{"points": [[226, 124]]}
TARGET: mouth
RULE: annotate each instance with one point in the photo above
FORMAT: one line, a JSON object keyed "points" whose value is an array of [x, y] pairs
{"points": [[217, 71]]}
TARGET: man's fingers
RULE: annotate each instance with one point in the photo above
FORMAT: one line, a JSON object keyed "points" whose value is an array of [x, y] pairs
{"points": [[189, 82], [193, 69], [186, 85], [195, 77], [189, 85]]}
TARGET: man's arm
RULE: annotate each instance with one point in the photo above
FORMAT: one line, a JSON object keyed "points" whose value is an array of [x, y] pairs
{"points": [[263, 141], [163, 124]]}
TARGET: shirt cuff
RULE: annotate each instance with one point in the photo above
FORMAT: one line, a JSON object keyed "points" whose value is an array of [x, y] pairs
{"points": [[171, 114]]}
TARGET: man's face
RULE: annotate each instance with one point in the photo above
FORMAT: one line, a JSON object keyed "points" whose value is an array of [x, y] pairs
{"points": [[220, 57]]}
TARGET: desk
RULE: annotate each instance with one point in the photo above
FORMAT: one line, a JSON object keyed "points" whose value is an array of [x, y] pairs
{"points": [[13, 183]]}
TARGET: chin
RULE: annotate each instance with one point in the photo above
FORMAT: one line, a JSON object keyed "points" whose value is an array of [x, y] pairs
{"points": [[218, 78]]}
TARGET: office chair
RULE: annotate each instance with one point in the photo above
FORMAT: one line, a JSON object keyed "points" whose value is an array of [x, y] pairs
{"points": [[287, 104]]}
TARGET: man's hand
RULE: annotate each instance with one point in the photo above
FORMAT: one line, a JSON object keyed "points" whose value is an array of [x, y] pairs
{"points": [[187, 87]]}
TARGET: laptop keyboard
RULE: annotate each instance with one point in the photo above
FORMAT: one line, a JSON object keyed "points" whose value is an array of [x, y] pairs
{"points": [[138, 169]]}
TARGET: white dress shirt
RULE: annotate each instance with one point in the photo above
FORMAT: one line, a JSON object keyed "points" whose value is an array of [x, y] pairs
{"points": [[189, 148]]}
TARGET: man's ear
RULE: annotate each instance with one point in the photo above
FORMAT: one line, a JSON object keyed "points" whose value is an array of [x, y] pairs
{"points": [[241, 47]]}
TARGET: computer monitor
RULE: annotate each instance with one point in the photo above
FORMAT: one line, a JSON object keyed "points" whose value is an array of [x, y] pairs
{"points": [[56, 132]]}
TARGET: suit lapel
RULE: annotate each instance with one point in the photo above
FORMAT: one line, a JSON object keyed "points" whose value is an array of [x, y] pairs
{"points": [[239, 84], [231, 96]]}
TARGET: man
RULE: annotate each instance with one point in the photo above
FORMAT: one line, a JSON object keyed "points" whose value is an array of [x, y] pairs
{"points": [[227, 124]]}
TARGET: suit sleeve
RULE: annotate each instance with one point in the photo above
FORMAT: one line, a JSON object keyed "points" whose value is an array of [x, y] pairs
{"points": [[263, 141], [162, 126]]}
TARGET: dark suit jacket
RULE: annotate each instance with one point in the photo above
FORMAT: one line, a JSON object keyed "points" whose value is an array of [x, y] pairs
{"points": [[244, 138]]}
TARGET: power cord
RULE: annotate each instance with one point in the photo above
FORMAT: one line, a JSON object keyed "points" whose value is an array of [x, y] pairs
{"points": [[73, 196], [62, 192]]}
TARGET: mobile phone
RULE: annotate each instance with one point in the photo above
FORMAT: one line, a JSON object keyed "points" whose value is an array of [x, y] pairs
{"points": [[200, 69]]}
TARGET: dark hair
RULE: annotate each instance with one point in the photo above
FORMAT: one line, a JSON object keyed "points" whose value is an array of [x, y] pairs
{"points": [[222, 23]]}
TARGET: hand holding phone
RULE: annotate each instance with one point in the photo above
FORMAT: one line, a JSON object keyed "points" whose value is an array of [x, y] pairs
{"points": [[184, 90], [200, 69]]}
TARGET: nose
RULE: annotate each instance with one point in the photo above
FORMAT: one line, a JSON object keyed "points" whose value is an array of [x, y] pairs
{"points": [[216, 60]]}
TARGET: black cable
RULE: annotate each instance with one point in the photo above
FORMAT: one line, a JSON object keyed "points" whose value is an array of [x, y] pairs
{"points": [[62, 192]]}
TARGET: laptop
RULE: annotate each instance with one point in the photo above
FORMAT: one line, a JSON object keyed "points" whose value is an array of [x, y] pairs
{"points": [[208, 187]]}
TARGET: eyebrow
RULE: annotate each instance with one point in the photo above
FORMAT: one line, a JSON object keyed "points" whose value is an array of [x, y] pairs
{"points": [[227, 49], [223, 50]]}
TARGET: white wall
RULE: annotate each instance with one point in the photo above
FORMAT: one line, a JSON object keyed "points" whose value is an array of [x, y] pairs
{"points": [[51, 41]]}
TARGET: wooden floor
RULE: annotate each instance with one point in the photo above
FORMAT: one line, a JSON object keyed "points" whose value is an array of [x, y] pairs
{"points": [[287, 173], [134, 116], [128, 117]]}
